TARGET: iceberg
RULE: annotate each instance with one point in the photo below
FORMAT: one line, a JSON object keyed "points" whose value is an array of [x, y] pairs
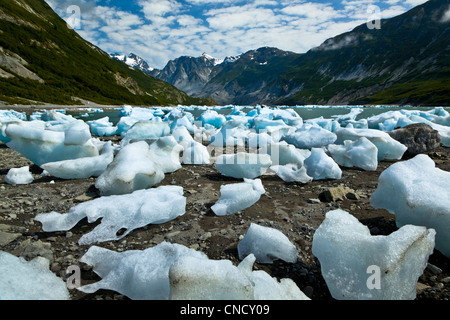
{"points": [[195, 153], [266, 244], [292, 172], [81, 168], [193, 278], [137, 274], [310, 136], [360, 153], [19, 176], [213, 118], [133, 168], [282, 153], [29, 280], [417, 193], [359, 266], [42, 145], [166, 152], [146, 130], [388, 148], [238, 196], [102, 127], [320, 166], [243, 165], [119, 213]]}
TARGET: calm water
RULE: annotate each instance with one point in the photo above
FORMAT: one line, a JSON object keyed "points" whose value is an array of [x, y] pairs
{"points": [[304, 112]]}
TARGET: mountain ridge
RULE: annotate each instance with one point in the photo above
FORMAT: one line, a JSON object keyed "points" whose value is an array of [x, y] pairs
{"points": [[406, 61], [43, 60]]}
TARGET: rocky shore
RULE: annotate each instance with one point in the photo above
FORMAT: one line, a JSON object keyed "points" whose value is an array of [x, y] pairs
{"points": [[295, 209]]}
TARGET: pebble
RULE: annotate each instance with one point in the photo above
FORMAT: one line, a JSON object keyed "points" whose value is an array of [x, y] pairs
{"points": [[434, 269]]}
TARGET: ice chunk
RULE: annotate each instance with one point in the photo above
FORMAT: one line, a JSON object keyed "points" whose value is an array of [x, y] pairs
{"points": [[82, 168], [23, 280], [182, 136], [19, 176], [310, 136], [133, 168], [192, 278], [266, 244], [292, 172], [212, 118], [199, 279], [137, 274], [166, 153], [388, 148], [238, 196], [129, 212], [195, 153], [102, 127], [320, 166], [417, 193], [282, 153], [146, 130], [359, 266], [233, 133], [42, 145], [243, 165], [360, 153]]}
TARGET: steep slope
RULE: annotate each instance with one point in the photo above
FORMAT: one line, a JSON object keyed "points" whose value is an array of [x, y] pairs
{"points": [[43, 60], [407, 61]]}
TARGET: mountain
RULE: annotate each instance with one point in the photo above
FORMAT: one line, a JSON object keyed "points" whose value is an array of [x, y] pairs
{"points": [[42, 60], [189, 74], [407, 61], [133, 61]]}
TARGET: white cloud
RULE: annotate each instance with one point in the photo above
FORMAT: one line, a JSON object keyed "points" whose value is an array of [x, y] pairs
{"points": [[160, 30]]}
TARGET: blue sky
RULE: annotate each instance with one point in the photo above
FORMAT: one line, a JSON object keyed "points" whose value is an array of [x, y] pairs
{"points": [[161, 30]]}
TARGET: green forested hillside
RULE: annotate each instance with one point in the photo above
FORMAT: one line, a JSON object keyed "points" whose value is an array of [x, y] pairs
{"points": [[35, 40]]}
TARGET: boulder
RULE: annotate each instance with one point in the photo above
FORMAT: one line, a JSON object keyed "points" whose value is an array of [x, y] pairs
{"points": [[417, 137]]}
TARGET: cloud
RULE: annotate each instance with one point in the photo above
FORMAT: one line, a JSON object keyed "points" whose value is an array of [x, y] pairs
{"points": [[161, 30]]}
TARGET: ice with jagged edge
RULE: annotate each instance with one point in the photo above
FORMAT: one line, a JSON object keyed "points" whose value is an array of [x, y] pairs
{"points": [[133, 168], [243, 165], [29, 280], [82, 168], [119, 213], [238, 196], [320, 166], [417, 193], [359, 266], [266, 244], [360, 153], [20, 175]]}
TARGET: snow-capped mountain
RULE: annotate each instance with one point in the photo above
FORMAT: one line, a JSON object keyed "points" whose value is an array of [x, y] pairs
{"points": [[133, 61]]}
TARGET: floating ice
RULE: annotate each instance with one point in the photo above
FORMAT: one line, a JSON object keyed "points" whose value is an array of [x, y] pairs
{"points": [[266, 244], [19, 176], [193, 278], [23, 280], [243, 165], [233, 133], [137, 274], [359, 266], [133, 168], [417, 193], [292, 172], [129, 212], [310, 136], [320, 166], [360, 153], [238, 196], [388, 148], [82, 168], [42, 145]]}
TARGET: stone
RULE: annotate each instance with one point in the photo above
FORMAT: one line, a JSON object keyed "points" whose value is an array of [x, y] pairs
{"points": [[338, 194], [417, 137]]}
